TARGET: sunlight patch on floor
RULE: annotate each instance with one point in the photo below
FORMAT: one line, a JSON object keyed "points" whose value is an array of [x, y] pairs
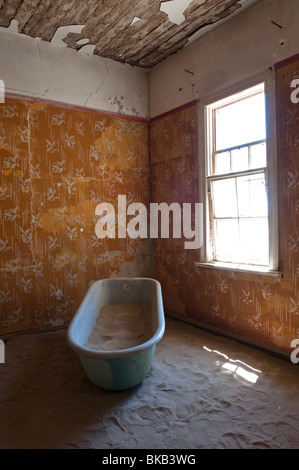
{"points": [[231, 366]]}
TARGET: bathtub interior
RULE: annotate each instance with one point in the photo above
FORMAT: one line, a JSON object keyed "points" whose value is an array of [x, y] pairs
{"points": [[115, 291]]}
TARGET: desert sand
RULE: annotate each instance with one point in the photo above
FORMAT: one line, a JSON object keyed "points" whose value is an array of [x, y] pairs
{"points": [[121, 326], [203, 392]]}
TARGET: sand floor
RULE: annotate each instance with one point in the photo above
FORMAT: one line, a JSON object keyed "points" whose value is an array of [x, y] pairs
{"points": [[203, 391]]}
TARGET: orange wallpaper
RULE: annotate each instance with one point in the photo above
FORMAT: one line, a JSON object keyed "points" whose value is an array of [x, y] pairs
{"points": [[256, 307], [56, 165]]}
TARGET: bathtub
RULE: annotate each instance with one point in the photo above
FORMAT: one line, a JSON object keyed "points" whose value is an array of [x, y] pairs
{"points": [[123, 368]]}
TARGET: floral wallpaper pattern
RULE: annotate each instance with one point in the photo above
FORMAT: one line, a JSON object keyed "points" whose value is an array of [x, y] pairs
{"points": [[259, 308], [56, 165]]}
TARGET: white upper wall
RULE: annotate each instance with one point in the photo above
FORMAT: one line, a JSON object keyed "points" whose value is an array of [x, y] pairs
{"points": [[39, 69], [241, 47], [244, 46]]}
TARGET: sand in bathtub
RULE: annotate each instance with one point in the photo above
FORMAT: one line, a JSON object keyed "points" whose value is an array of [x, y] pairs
{"points": [[121, 326]]}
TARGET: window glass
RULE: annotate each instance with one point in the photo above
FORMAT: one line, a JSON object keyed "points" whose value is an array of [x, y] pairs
{"points": [[222, 163], [241, 122], [226, 240], [224, 198], [238, 197], [252, 196], [258, 155], [239, 159]]}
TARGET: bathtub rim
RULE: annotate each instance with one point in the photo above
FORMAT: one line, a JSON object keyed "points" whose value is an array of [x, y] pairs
{"points": [[118, 353]]}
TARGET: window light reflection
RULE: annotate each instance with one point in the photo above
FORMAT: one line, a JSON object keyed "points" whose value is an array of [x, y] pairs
{"points": [[232, 366]]}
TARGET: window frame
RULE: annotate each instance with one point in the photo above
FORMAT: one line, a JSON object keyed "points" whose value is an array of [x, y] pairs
{"points": [[205, 140]]}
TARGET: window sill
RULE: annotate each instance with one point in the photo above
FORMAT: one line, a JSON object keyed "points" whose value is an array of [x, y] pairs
{"points": [[239, 268]]}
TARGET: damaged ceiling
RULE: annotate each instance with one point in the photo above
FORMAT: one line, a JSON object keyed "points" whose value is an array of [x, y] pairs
{"points": [[137, 32]]}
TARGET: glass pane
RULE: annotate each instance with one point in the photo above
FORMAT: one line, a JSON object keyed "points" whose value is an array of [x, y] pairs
{"points": [[258, 156], [252, 196], [222, 163], [243, 186], [240, 159], [254, 245], [227, 240], [240, 122], [224, 197], [258, 197]]}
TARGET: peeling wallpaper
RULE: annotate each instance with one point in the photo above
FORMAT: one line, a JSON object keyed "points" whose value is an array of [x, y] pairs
{"points": [[56, 165], [256, 307]]}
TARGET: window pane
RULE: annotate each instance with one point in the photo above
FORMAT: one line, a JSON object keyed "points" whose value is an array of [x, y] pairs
{"points": [[258, 156], [238, 179], [222, 163], [226, 240], [224, 198], [258, 197], [243, 185], [240, 122], [254, 247], [244, 242], [240, 159], [252, 196]]}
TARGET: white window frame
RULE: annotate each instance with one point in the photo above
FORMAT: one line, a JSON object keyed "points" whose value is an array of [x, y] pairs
{"points": [[206, 258]]}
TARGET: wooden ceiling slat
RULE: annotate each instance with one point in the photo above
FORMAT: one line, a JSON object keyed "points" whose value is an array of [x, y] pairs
{"points": [[8, 11], [61, 13], [142, 42], [107, 24], [175, 38], [36, 23], [26, 11], [49, 15], [134, 36], [153, 59], [101, 31]]}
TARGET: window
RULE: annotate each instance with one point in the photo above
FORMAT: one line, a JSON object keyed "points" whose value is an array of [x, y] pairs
{"points": [[241, 229]]}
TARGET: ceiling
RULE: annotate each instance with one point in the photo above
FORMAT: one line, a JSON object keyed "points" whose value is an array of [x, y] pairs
{"points": [[137, 32]]}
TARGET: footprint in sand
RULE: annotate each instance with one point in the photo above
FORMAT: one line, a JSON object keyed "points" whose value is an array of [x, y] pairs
{"points": [[153, 417], [290, 433]]}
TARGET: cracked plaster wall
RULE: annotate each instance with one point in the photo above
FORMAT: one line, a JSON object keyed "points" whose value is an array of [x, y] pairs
{"points": [[243, 46], [41, 70], [58, 160]]}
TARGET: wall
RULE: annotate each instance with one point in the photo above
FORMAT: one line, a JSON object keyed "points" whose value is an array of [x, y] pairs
{"points": [[41, 70], [244, 46], [53, 176], [73, 133], [260, 309], [56, 165], [255, 307]]}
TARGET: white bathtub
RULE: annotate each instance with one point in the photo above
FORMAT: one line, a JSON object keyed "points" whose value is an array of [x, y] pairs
{"points": [[123, 368]]}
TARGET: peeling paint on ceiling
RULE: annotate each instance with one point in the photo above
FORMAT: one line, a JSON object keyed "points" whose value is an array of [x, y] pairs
{"points": [[137, 32], [175, 10]]}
